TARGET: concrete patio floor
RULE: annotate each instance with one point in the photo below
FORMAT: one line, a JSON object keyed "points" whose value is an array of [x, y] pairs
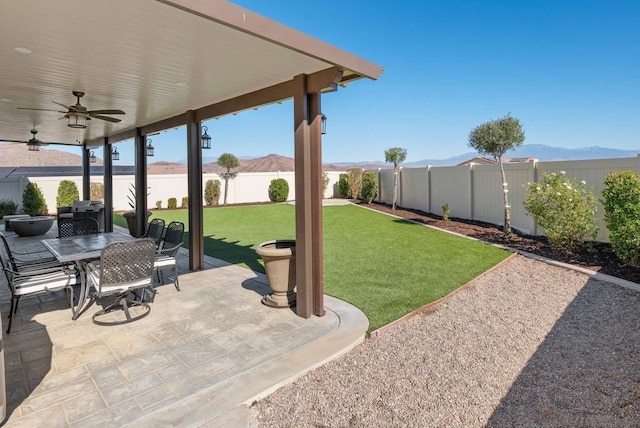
{"points": [[200, 358]]}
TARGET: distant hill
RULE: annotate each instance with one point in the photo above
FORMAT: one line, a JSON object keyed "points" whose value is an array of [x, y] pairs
{"points": [[269, 163], [18, 155]]}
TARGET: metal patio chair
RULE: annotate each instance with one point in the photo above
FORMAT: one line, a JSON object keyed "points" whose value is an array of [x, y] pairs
{"points": [[35, 260], [124, 267], [69, 227], [30, 279], [168, 251], [155, 230]]}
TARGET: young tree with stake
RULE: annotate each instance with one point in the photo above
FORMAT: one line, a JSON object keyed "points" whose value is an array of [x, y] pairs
{"points": [[395, 155]]}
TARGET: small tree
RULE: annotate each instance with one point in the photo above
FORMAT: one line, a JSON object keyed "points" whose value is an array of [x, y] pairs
{"points": [[33, 202], [229, 161], [97, 191], [395, 155], [278, 190], [495, 138], [369, 187], [172, 203], [355, 182], [185, 202], [67, 193]]}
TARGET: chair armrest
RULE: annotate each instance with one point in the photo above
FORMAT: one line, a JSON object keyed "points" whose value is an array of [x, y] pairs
{"points": [[170, 251], [64, 210]]}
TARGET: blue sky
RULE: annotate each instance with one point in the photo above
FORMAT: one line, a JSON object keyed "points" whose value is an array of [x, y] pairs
{"points": [[569, 70]]}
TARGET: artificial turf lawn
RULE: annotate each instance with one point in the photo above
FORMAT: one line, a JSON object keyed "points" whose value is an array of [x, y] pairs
{"points": [[385, 266]]}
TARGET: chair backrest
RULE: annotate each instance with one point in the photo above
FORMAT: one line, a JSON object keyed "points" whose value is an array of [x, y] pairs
{"points": [[77, 226], [6, 257], [172, 238], [155, 230], [127, 262]]}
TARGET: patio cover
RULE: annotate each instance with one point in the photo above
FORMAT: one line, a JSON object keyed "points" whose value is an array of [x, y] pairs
{"points": [[167, 64]]}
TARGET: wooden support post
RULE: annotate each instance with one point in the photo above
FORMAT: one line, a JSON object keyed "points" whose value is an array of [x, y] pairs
{"points": [[194, 179], [107, 189]]}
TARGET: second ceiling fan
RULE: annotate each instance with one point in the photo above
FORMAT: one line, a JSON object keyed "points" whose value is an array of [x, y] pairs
{"points": [[79, 114]]}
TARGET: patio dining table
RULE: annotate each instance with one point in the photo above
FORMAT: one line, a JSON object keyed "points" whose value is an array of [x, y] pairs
{"points": [[81, 250]]}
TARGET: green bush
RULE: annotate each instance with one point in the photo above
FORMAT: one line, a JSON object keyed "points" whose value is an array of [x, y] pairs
{"points": [[67, 193], [7, 207], [564, 209], [278, 190], [172, 203], [369, 187], [621, 201], [158, 205], [185, 202], [343, 185], [325, 183], [212, 192], [33, 202], [446, 209], [97, 191], [355, 182]]}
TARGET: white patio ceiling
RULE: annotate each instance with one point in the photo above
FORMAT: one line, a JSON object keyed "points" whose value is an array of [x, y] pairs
{"points": [[152, 59]]}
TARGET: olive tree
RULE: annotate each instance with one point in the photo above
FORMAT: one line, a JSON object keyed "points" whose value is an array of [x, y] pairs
{"points": [[229, 161], [395, 155], [495, 138]]}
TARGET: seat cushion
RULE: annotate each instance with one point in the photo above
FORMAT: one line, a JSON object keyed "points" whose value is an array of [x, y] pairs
{"points": [[93, 278], [164, 261], [80, 205], [40, 283]]}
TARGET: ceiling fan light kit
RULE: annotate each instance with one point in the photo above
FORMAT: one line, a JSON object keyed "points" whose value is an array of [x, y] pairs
{"points": [[76, 120]]}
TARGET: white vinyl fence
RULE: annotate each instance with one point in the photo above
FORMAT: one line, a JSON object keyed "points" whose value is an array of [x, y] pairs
{"points": [[474, 192], [246, 187]]}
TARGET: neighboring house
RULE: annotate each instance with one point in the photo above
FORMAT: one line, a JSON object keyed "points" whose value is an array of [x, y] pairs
{"points": [[488, 161]]}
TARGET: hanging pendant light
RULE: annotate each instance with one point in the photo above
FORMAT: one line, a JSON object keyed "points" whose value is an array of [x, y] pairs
{"points": [[323, 123], [92, 157], [206, 139], [150, 148], [114, 154]]}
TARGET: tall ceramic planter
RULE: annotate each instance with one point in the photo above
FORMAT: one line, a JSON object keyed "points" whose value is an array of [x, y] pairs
{"points": [[130, 216], [280, 264]]}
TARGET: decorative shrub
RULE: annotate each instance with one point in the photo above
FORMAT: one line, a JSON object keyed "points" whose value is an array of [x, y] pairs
{"points": [[33, 202], [158, 205], [185, 202], [325, 183], [172, 203], [212, 192], [564, 209], [446, 209], [97, 191], [355, 182], [67, 193], [621, 200], [369, 187], [343, 185], [278, 190], [7, 207]]}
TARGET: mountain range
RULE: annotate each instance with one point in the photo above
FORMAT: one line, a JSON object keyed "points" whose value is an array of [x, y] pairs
{"points": [[12, 155]]}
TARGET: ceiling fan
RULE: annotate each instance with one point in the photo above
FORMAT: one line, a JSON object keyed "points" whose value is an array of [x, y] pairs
{"points": [[33, 143], [78, 114]]}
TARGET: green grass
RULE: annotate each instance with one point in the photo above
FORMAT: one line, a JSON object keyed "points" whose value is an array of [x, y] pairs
{"points": [[385, 266]]}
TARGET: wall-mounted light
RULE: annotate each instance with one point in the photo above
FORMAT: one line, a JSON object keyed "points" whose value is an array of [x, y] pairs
{"points": [[323, 123], [150, 148], [206, 138], [76, 120], [92, 157], [114, 154]]}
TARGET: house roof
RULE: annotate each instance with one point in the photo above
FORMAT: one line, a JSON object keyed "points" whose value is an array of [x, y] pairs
{"points": [[153, 59]]}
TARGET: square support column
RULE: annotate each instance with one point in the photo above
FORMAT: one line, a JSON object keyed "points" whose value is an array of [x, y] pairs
{"points": [[194, 192], [308, 211], [107, 189], [86, 174], [140, 143]]}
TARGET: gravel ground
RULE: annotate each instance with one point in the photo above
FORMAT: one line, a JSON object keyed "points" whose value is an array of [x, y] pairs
{"points": [[528, 344]]}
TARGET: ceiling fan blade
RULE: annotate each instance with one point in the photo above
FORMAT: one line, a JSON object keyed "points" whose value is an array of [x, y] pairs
{"points": [[71, 108], [13, 141], [107, 118], [38, 109], [93, 112]]}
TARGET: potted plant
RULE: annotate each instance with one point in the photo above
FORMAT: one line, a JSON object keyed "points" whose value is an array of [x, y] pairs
{"points": [[280, 265], [130, 216]]}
